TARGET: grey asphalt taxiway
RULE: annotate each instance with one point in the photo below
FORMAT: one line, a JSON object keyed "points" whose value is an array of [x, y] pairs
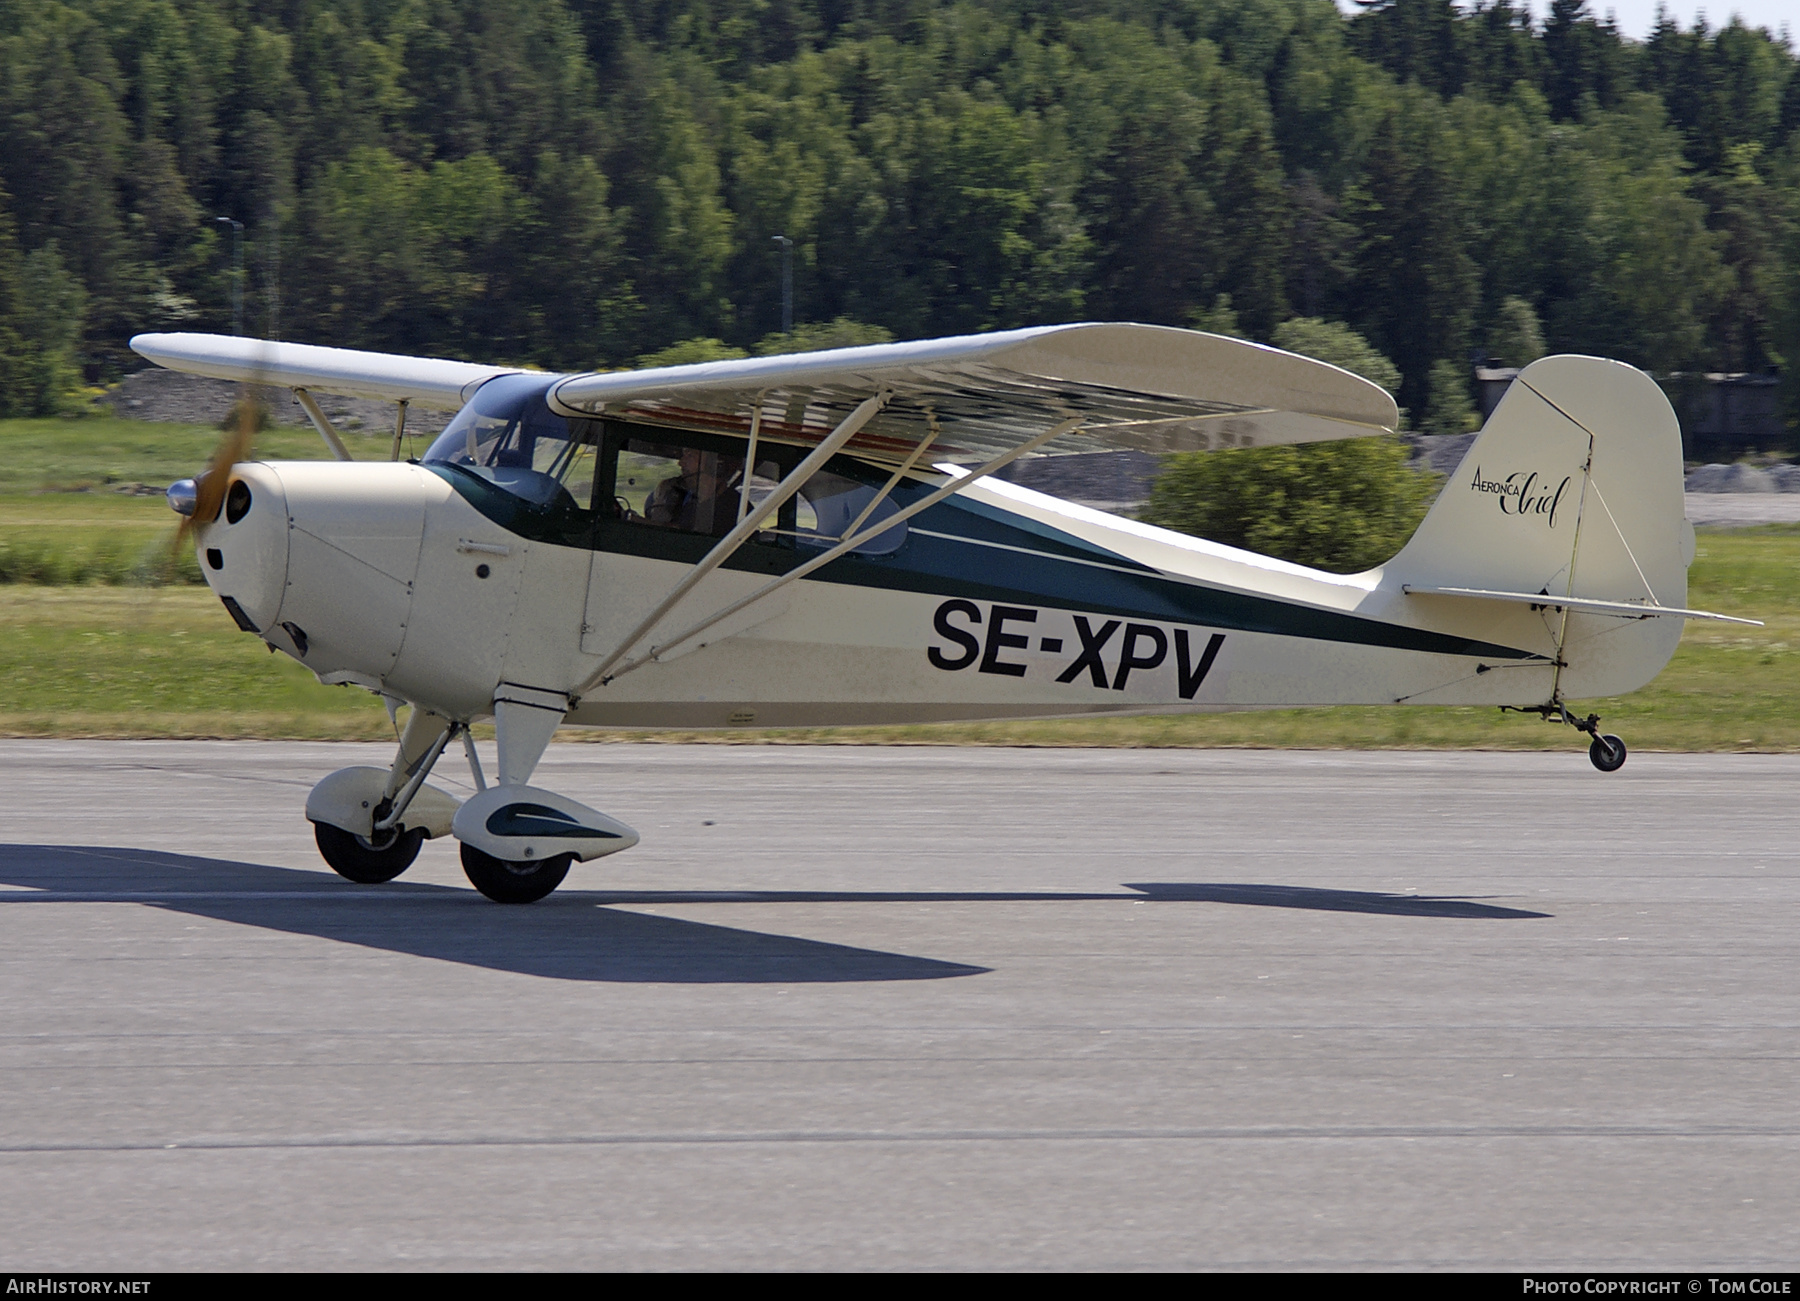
{"points": [[912, 1008]]}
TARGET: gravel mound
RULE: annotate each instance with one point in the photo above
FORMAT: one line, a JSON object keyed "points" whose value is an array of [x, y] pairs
{"points": [[175, 398], [1440, 453], [1743, 479], [1106, 480]]}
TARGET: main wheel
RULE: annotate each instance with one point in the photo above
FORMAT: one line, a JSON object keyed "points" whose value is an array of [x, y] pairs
{"points": [[506, 880], [365, 861], [1608, 753]]}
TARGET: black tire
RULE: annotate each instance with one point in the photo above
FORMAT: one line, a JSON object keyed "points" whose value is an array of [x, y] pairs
{"points": [[355, 858], [514, 881], [1608, 753]]}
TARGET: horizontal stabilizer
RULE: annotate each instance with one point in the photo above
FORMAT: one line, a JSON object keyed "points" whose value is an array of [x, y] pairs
{"points": [[1579, 604]]}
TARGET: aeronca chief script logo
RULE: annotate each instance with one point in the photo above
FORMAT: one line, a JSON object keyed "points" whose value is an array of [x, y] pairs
{"points": [[1525, 492]]}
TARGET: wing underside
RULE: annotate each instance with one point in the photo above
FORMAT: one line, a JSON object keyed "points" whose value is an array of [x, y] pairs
{"points": [[1148, 388]]}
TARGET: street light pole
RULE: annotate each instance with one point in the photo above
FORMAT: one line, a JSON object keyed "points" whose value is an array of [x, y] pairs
{"points": [[787, 283], [237, 272]]}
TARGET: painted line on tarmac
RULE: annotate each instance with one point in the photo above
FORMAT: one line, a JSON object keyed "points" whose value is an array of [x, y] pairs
{"points": [[1221, 1134]]}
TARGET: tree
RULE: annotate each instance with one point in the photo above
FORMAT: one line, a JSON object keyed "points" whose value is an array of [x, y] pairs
{"points": [[678, 228], [1416, 40], [42, 306], [15, 353], [1415, 287], [1587, 61], [1517, 339], [1249, 192], [1643, 272], [1150, 218], [1337, 344], [1450, 410], [1219, 318], [577, 182], [1320, 248], [1746, 219], [62, 144]]}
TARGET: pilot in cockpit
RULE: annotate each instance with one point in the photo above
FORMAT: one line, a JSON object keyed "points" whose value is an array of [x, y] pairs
{"points": [[703, 498]]}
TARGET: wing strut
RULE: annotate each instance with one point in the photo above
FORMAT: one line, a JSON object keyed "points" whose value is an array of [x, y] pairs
{"points": [[746, 528], [849, 543], [750, 457], [399, 427], [323, 425]]}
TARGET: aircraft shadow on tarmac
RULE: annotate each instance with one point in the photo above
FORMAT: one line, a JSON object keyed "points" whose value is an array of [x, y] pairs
{"points": [[565, 937], [1259, 896], [575, 935], [1340, 901]]}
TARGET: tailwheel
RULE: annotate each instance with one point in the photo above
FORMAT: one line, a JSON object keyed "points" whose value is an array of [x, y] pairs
{"points": [[368, 861], [1607, 753], [506, 880]]}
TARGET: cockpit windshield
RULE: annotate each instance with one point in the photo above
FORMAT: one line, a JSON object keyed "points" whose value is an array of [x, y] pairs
{"points": [[508, 435]]}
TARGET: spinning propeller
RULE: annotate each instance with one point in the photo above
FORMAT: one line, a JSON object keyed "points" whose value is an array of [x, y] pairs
{"points": [[204, 496], [199, 500]]}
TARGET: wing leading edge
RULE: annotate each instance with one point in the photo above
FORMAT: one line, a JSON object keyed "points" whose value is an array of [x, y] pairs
{"points": [[382, 376]]}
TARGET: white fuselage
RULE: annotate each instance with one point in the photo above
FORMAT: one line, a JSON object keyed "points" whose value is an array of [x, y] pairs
{"points": [[383, 575]]}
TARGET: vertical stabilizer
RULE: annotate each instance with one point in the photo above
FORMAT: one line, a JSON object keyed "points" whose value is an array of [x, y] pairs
{"points": [[1572, 488]]}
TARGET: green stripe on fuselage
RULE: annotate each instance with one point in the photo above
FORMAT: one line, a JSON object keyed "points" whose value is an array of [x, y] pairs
{"points": [[1082, 579]]}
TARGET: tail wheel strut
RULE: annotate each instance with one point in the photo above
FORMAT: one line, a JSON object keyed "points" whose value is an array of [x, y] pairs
{"points": [[1606, 752]]}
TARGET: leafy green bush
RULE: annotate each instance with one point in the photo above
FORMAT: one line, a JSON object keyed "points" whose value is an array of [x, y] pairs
{"points": [[689, 352], [1342, 506], [817, 337]]}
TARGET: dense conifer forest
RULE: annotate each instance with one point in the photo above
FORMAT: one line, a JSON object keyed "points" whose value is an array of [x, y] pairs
{"points": [[579, 183]]}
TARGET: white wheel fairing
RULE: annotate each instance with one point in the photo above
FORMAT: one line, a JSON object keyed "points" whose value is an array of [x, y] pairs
{"points": [[527, 824], [347, 798]]}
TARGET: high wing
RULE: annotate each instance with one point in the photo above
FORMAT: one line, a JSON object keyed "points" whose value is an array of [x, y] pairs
{"points": [[1151, 388], [382, 376], [1147, 387]]}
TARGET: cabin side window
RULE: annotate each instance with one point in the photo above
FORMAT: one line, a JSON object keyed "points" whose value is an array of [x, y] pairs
{"points": [[689, 489], [697, 484]]}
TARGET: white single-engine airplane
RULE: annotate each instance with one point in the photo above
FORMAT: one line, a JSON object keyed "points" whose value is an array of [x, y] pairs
{"points": [[818, 539]]}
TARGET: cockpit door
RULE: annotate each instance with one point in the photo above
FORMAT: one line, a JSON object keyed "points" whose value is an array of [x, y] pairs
{"points": [[624, 589]]}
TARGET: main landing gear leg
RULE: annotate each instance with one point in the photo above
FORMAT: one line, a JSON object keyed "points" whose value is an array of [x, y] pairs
{"points": [[1607, 753]]}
